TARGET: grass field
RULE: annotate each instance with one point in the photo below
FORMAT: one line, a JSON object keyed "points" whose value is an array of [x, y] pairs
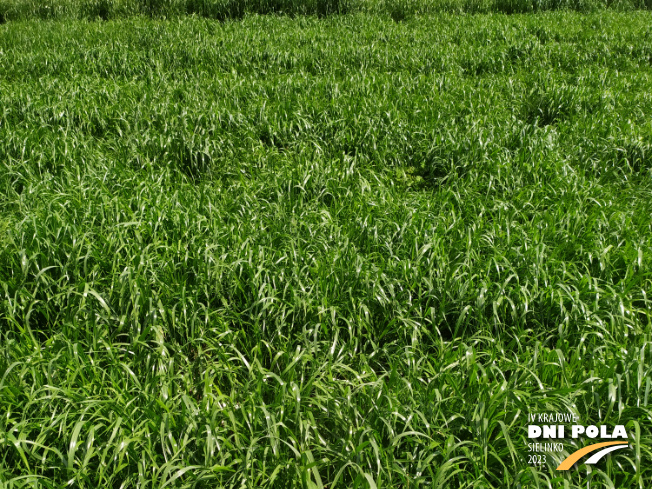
{"points": [[11, 10], [323, 252]]}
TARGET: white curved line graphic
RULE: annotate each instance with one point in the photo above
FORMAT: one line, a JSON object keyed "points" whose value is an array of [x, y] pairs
{"points": [[595, 458]]}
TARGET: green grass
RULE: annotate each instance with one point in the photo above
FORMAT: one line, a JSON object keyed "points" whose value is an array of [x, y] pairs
{"points": [[339, 252], [398, 10]]}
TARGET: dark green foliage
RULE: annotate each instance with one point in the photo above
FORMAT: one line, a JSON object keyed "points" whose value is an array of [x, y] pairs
{"points": [[398, 10], [215, 9], [515, 6]]}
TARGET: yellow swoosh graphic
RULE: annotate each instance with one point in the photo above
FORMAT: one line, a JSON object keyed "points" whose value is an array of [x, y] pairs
{"points": [[575, 456]]}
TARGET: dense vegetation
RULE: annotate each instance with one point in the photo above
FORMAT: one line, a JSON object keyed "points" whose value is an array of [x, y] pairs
{"points": [[235, 9], [337, 252]]}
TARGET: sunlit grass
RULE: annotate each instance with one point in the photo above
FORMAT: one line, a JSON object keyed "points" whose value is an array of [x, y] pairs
{"points": [[341, 252]]}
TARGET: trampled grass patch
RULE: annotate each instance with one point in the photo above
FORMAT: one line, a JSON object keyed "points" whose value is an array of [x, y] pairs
{"points": [[323, 252]]}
